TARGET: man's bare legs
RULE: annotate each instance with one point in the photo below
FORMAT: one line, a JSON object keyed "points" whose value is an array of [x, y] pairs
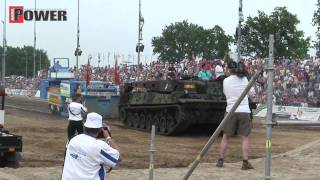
{"points": [[223, 145], [245, 152], [245, 147], [223, 149]]}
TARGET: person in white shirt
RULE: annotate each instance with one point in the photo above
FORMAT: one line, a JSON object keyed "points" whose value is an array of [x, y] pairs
{"points": [[219, 71], [76, 110], [87, 156], [240, 122]]}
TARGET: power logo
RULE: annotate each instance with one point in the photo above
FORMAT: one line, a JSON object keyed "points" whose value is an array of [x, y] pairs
{"points": [[17, 14]]}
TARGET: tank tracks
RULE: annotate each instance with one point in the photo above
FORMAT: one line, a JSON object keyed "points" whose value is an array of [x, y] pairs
{"points": [[168, 119]]}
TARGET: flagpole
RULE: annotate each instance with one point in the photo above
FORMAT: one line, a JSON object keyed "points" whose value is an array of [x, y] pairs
{"points": [[4, 44], [35, 42]]}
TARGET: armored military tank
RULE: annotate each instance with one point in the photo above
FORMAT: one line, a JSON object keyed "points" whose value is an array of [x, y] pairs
{"points": [[171, 105]]}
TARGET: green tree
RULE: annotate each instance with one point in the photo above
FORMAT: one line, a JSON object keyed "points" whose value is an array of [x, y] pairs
{"points": [[17, 59], [180, 39], [214, 43], [316, 22], [289, 41]]}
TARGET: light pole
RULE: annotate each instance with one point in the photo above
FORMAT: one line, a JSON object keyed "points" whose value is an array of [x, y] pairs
{"points": [[108, 59], [140, 46], [35, 42], [27, 66], [4, 52], [239, 30], [4, 44], [78, 51], [40, 59], [99, 60], [129, 57]]}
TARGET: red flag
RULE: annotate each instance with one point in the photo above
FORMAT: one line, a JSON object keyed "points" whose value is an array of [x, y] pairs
{"points": [[88, 74], [116, 74]]}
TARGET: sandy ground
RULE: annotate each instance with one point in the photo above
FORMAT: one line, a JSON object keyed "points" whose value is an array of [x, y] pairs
{"points": [[44, 138], [302, 163]]}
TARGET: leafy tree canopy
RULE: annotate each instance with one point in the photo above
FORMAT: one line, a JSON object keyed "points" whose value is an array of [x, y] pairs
{"points": [[20, 60], [180, 39], [289, 41], [316, 22]]}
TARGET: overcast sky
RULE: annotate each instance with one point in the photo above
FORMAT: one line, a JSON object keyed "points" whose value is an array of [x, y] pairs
{"points": [[112, 25]]}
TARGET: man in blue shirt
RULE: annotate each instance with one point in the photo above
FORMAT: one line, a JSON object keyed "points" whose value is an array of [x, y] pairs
{"points": [[56, 66]]}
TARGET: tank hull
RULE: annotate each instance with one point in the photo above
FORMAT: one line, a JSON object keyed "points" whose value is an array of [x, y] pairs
{"points": [[171, 119], [172, 106]]}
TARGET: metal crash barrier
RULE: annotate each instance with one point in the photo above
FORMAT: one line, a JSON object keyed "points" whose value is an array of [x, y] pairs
{"points": [[279, 119], [100, 99]]}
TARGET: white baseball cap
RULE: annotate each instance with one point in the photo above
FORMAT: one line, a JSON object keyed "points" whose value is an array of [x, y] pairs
{"points": [[94, 120]]}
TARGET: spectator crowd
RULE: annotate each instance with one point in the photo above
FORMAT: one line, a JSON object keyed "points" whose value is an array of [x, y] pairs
{"points": [[296, 82]]}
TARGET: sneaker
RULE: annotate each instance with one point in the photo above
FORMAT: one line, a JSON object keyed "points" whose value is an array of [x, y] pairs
{"points": [[219, 163], [246, 165]]}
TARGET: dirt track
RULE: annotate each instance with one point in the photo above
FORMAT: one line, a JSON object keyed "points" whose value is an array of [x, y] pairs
{"points": [[44, 138]]}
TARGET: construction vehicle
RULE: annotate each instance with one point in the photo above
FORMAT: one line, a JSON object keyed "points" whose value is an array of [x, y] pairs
{"points": [[10, 144], [171, 105]]}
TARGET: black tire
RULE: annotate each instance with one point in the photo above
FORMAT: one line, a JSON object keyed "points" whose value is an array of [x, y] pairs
{"points": [[149, 122], [12, 159], [122, 115], [136, 121], [3, 162], [129, 122], [13, 164]]}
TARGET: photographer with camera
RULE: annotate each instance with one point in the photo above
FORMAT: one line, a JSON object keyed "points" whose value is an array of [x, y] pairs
{"points": [[76, 110], [240, 122], [86, 155]]}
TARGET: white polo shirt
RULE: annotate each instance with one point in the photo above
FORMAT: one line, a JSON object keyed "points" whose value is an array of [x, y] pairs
{"points": [[233, 86], [86, 157], [76, 109]]}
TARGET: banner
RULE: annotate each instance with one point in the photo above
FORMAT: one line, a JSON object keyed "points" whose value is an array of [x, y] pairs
{"points": [[20, 92], [293, 113], [65, 89]]}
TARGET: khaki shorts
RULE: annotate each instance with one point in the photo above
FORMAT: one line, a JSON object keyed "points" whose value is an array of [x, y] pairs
{"points": [[239, 124]]}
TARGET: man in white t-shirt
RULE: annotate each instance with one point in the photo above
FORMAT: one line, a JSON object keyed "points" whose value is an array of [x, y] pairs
{"points": [[75, 109], [240, 122], [87, 156]]}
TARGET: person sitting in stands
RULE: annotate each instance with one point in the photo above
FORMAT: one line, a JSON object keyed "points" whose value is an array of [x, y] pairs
{"points": [[204, 74], [172, 72]]}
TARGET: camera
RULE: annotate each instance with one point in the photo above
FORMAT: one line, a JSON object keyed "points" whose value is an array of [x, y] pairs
{"points": [[106, 128]]}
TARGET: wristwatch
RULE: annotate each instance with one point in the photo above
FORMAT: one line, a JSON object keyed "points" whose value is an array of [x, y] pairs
{"points": [[109, 140]]}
